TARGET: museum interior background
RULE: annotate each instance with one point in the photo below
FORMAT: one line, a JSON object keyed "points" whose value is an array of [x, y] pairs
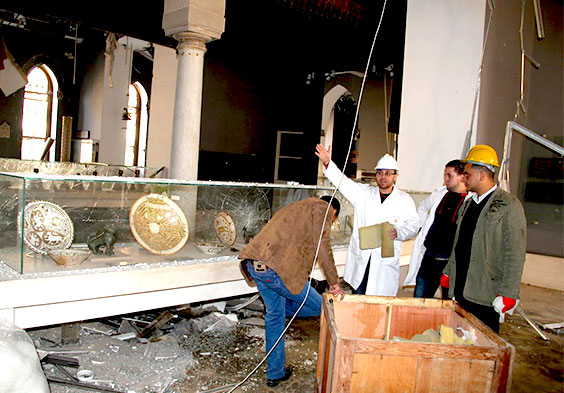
{"points": [[270, 71]]}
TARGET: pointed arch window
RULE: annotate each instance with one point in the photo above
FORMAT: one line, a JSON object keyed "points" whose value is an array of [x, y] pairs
{"points": [[40, 107], [136, 130]]}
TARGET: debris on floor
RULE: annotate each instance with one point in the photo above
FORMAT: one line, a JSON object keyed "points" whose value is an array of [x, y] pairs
{"points": [[185, 356], [149, 352], [557, 327]]}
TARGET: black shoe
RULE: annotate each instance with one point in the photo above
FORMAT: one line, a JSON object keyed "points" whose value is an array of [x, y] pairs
{"points": [[274, 382]]}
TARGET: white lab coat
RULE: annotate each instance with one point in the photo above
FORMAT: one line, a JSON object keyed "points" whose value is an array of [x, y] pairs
{"points": [[398, 209], [426, 212]]}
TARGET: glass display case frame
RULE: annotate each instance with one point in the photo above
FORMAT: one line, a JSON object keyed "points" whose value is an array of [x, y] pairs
{"points": [[12, 165], [118, 221]]}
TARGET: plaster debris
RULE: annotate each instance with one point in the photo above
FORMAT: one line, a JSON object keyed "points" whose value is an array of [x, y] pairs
{"points": [[127, 365], [253, 321]]}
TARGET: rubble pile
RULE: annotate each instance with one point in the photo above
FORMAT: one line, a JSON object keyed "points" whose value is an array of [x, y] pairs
{"points": [[195, 348]]}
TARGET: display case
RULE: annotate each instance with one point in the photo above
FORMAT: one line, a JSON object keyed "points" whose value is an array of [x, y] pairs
{"points": [[12, 165], [52, 223]]}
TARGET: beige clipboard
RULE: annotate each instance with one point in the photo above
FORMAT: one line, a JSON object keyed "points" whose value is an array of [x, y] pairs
{"points": [[374, 236], [370, 236]]}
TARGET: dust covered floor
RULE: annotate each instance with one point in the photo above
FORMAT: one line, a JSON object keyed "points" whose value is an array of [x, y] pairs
{"points": [[202, 351], [539, 364]]}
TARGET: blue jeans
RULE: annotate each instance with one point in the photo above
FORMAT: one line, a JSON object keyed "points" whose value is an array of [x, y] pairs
{"points": [[280, 303], [429, 276]]}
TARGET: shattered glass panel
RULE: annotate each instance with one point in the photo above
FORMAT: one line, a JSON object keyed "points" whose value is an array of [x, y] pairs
{"points": [[11, 193]]}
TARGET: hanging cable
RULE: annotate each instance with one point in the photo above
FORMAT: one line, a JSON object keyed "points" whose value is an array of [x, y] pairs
{"points": [[75, 53], [328, 208]]}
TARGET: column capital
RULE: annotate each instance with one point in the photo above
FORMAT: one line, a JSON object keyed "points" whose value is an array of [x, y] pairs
{"points": [[191, 40], [206, 17]]}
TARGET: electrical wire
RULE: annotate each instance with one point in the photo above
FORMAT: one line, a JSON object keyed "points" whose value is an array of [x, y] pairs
{"points": [[328, 207]]}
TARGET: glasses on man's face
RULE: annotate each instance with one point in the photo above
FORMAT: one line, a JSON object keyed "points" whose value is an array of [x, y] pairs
{"points": [[385, 173]]}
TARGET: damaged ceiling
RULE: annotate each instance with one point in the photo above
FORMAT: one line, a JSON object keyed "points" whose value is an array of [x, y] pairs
{"points": [[333, 34]]}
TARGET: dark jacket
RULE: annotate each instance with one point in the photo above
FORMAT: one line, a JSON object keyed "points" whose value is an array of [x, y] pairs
{"points": [[288, 242], [497, 255]]}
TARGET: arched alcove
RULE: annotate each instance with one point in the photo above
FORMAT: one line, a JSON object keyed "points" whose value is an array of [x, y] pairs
{"points": [[136, 130], [39, 120]]}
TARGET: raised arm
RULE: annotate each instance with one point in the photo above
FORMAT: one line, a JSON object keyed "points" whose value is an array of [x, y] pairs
{"points": [[350, 189]]}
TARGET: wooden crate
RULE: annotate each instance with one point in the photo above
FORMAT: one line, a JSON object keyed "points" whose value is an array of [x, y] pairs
{"points": [[357, 354]]}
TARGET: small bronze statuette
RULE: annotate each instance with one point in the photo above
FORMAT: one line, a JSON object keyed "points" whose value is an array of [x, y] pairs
{"points": [[105, 238]]}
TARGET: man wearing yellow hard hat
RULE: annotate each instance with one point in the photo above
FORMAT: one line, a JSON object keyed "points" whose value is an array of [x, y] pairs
{"points": [[485, 268]]}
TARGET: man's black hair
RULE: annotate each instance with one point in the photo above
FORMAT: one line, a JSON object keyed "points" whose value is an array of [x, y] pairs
{"points": [[334, 203], [457, 165]]}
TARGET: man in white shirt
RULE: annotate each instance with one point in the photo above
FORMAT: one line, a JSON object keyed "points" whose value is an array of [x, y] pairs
{"points": [[366, 270]]}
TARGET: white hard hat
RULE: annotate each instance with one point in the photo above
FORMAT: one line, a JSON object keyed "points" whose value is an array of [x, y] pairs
{"points": [[387, 162]]}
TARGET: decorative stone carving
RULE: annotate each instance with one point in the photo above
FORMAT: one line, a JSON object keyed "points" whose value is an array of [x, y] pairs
{"points": [[206, 17]]}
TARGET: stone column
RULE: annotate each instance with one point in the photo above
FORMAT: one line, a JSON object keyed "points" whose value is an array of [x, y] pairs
{"points": [[193, 23], [187, 106]]}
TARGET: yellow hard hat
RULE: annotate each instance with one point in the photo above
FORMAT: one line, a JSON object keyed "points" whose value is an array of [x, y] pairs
{"points": [[482, 155]]}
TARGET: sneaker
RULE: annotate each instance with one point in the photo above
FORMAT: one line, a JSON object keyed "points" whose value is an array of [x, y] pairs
{"points": [[275, 381]]}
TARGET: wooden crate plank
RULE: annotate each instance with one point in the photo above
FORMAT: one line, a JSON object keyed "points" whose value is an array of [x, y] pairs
{"points": [[343, 366], [399, 348], [362, 320], [404, 301], [325, 367], [321, 374], [504, 370], [443, 375], [383, 374]]}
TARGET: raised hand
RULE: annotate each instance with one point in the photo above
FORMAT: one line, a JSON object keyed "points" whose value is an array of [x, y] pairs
{"points": [[323, 154]]}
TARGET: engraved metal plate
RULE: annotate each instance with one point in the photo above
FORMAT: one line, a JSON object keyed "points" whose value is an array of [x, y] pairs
{"points": [[158, 224], [46, 227], [225, 228]]}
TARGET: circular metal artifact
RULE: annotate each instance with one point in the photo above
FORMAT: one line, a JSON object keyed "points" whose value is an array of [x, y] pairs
{"points": [[158, 224], [46, 226], [225, 228]]}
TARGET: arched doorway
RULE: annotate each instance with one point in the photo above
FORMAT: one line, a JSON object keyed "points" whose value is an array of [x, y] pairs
{"points": [[339, 110], [136, 133], [39, 121]]}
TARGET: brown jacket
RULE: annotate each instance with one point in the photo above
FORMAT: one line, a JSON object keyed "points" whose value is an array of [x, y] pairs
{"points": [[288, 242]]}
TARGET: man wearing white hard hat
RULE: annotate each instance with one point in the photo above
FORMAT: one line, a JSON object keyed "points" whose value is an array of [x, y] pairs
{"points": [[366, 270], [484, 270]]}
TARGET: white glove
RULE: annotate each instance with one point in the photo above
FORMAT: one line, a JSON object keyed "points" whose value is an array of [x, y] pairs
{"points": [[504, 305]]}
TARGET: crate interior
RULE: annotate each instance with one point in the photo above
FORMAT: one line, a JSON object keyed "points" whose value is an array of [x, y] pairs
{"points": [[384, 321]]}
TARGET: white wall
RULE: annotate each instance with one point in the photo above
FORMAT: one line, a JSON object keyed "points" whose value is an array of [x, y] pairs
{"points": [[113, 127], [443, 45], [90, 106], [163, 90]]}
